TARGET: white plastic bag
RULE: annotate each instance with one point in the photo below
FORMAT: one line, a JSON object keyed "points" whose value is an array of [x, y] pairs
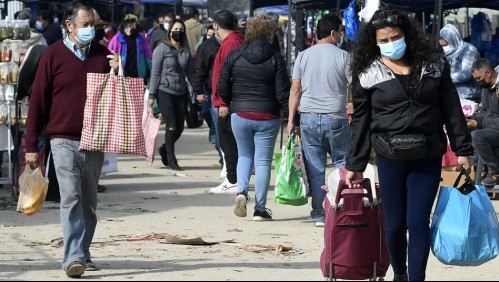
{"points": [[32, 191]]}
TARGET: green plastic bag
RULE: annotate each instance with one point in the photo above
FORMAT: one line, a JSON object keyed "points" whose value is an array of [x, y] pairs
{"points": [[291, 186]]}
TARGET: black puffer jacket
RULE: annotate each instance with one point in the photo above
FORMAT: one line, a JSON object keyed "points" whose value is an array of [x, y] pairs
{"points": [[203, 64], [383, 109], [254, 78]]}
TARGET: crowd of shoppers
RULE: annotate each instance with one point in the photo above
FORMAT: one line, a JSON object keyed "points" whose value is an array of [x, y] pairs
{"points": [[403, 90]]}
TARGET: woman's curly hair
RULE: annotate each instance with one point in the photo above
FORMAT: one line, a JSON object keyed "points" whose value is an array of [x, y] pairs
{"points": [[419, 51], [260, 27]]}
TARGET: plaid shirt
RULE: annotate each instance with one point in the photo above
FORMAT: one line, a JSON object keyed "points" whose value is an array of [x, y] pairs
{"points": [[81, 53]]}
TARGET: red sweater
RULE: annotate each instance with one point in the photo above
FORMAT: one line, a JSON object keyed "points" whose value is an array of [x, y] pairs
{"points": [[231, 42], [59, 92]]}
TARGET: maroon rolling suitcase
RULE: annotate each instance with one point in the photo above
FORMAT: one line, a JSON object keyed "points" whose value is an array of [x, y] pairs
{"points": [[354, 240]]}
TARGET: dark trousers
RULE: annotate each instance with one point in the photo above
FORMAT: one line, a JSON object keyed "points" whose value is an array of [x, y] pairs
{"points": [[173, 110], [229, 147], [486, 142], [408, 190]]}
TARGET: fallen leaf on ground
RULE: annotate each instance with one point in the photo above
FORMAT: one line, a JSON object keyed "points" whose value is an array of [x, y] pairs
{"points": [[281, 248]]}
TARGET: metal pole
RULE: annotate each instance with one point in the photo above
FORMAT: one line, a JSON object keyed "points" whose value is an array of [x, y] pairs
{"points": [[467, 21], [439, 23], [424, 20], [338, 7], [112, 13]]}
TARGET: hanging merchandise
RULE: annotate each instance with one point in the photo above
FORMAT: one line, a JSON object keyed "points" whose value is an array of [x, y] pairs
{"points": [[370, 7], [481, 31], [351, 22]]}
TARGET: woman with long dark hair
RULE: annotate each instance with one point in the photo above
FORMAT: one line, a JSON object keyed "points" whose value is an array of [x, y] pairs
{"points": [[171, 63], [403, 96]]}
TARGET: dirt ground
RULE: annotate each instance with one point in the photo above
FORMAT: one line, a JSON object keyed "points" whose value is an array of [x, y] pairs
{"points": [[144, 206]]}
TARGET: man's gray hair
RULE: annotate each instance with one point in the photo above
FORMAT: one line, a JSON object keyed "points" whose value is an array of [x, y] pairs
{"points": [[72, 11], [482, 64]]}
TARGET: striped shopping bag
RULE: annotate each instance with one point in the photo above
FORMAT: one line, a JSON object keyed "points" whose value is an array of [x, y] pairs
{"points": [[112, 121]]}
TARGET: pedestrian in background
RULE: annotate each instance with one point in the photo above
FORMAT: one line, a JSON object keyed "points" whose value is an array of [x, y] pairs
{"points": [[172, 63], [132, 48], [461, 56], [255, 84], [321, 75], [225, 24]]}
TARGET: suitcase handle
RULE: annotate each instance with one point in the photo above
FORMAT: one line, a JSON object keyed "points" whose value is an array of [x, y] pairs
{"points": [[343, 189]]}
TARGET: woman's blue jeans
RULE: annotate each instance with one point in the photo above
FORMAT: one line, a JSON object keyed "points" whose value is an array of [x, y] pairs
{"points": [[255, 145]]}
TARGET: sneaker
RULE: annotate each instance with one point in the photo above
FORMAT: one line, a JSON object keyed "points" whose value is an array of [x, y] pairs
{"points": [[90, 265], [401, 277], [240, 207], [162, 153], [491, 181], [75, 270], [173, 165], [225, 188], [265, 215], [101, 188], [320, 224], [213, 138]]}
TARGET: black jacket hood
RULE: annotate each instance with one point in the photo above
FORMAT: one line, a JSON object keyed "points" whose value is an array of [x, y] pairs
{"points": [[257, 51]]}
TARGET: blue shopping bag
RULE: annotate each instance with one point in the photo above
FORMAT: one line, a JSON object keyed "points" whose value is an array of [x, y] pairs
{"points": [[464, 228]]}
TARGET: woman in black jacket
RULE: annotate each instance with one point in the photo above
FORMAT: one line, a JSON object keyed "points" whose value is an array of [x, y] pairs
{"points": [[403, 96], [254, 82]]}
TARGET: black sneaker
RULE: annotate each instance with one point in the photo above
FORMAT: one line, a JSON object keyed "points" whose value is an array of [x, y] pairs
{"points": [[173, 165], [101, 188], [265, 215], [240, 207], [401, 277], [164, 156]]}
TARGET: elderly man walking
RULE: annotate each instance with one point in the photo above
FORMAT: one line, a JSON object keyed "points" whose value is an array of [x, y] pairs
{"points": [[57, 105]]}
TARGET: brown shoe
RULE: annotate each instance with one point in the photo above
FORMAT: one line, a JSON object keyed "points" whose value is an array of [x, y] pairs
{"points": [[90, 265], [75, 270]]}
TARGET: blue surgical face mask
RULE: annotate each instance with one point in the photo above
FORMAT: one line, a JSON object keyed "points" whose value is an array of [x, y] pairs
{"points": [[394, 50], [85, 35], [166, 26], [39, 25]]}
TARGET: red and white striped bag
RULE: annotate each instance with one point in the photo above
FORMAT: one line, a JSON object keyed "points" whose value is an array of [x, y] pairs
{"points": [[112, 121], [150, 127]]}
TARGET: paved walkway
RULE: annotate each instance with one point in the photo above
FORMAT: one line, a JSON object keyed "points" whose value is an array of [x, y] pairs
{"points": [[143, 205]]}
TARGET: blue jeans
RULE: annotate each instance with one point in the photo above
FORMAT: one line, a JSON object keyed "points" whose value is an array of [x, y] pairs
{"points": [[408, 191], [255, 145], [206, 112], [486, 142], [214, 120], [323, 134], [78, 174]]}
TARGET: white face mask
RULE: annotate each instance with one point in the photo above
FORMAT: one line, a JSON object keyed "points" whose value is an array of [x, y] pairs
{"points": [[166, 26], [448, 50]]}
